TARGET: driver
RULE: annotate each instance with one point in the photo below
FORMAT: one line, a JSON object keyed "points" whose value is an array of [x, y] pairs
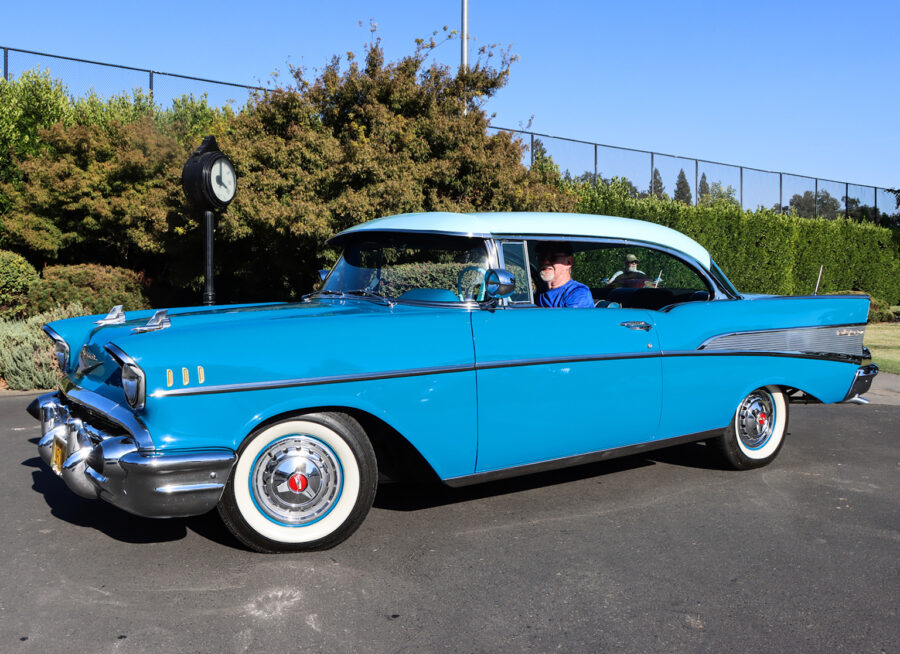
{"points": [[555, 267], [629, 267]]}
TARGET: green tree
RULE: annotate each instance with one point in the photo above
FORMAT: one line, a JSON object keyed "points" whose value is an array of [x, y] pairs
{"points": [[806, 205], [656, 185], [717, 193], [682, 189], [702, 187], [28, 104], [364, 140], [359, 141]]}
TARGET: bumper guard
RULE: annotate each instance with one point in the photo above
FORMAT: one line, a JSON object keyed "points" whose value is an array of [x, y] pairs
{"points": [[95, 463], [861, 384]]}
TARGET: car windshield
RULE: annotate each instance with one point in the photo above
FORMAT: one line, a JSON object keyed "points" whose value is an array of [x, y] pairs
{"points": [[404, 267]]}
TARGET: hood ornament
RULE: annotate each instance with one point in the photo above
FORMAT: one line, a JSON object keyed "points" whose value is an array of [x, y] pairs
{"points": [[158, 321], [114, 317]]}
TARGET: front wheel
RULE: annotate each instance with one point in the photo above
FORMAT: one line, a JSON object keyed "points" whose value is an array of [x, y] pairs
{"points": [[757, 431], [305, 483]]}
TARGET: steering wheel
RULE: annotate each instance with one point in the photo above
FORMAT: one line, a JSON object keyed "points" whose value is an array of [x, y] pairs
{"points": [[459, 283]]}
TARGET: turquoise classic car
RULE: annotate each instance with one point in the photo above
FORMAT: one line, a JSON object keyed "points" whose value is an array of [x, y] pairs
{"points": [[426, 351]]}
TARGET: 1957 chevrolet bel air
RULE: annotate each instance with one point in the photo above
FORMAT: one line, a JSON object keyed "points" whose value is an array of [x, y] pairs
{"points": [[424, 350]]}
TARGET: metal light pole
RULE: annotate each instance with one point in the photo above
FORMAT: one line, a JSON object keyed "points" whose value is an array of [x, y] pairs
{"points": [[465, 36]]}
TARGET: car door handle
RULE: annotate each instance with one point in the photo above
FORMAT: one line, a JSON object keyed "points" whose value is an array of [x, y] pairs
{"points": [[637, 324]]}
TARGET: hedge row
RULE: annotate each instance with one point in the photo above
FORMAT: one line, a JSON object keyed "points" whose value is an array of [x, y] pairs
{"points": [[764, 251], [96, 288]]}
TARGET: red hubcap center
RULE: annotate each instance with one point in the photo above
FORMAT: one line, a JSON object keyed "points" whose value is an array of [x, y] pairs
{"points": [[761, 419], [298, 482]]}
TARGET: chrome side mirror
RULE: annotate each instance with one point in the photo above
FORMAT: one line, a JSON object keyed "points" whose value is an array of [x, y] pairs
{"points": [[498, 284], [323, 274]]}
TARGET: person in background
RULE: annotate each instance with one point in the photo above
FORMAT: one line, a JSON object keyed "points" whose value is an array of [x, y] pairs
{"points": [[630, 267], [555, 262]]}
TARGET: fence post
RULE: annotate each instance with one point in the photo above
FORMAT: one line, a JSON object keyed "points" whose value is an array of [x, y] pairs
{"points": [[151, 84], [595, 164], [816, 200], [781, 191], [696, 182], [6, 64], [847, 200], [742, 187], [877, 220], [652, 168], [532, 149]]}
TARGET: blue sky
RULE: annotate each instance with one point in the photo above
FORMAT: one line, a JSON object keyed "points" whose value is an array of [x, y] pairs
{"points": [[808, 88]]}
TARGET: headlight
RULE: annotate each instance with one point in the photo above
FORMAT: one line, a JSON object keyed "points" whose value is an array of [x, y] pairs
{"points": [[134, 385], [61, 348], [62, 354]]}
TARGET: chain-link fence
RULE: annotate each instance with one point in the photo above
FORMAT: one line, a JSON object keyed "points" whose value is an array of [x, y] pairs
{"points": [[655, 173], [82, 76], [647, 172]]}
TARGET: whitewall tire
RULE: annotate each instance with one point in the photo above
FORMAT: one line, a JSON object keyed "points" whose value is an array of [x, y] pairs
{"points": [[303, 483], [757, 432]]}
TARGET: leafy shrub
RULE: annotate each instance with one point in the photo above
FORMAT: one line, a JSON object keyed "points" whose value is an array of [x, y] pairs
{"points": [[26, 354], [96, 288], [16, 277], [764, 251]]}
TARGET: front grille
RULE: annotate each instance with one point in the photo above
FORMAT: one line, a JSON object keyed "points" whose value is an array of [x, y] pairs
{"points": [[95, 420]]}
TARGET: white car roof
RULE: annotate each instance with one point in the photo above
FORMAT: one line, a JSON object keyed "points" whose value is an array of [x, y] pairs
{"points": [[533, 223]]}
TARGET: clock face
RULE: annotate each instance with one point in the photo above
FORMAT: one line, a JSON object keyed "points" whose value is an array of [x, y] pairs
{"points": [[222, 179]]}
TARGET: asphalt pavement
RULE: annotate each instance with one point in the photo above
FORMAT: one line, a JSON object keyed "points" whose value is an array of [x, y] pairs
{"points": [[664, 552]]}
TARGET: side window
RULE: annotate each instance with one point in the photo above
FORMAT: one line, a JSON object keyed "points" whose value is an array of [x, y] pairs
{"points": [[515, 260], [638, 277]]}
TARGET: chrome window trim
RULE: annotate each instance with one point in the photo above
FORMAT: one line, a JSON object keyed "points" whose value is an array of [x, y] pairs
{"points": [[502, 264], [718, 292], [492, 261]]}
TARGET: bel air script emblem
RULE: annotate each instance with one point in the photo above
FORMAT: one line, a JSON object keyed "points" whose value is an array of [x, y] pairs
{"points": [[87, 360], [850, 332]]}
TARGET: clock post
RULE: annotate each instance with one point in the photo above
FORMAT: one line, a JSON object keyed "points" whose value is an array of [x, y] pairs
{"points": [[209, 182]]}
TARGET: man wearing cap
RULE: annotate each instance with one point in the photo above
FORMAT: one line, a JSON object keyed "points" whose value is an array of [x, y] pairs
{"points": [[630, 267], [555, 267]]}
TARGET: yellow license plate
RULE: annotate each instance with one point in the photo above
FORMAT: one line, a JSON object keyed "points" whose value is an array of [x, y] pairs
{"points": [[59, 452]]}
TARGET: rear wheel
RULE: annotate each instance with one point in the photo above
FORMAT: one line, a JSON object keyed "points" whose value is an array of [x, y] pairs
{"points": [[305, 483], [757, 431]]}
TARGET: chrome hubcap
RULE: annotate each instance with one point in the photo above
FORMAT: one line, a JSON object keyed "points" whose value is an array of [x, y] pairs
{"points": [[296, 480], [756, 419]]}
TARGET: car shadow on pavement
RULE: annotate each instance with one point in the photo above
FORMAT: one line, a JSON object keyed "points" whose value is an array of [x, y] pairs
{"points": [[116, 523], [413, 496], [690, 455]]}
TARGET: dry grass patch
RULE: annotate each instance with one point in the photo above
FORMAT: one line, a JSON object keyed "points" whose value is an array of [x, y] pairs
{"points": [[883, 339]]}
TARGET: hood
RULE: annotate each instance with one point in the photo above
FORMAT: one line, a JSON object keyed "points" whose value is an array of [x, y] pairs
{"points": [[220, 345]]}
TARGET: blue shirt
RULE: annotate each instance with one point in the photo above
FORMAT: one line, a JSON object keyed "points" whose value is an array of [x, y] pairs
{"points": [[571, 294]]}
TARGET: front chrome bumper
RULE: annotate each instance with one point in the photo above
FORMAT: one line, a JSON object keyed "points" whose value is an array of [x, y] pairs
{"points": [[862, 382], [95, 462]]}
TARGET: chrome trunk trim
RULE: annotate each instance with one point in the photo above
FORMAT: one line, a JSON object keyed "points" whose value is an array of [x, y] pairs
{"points": [[845, 340]]}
